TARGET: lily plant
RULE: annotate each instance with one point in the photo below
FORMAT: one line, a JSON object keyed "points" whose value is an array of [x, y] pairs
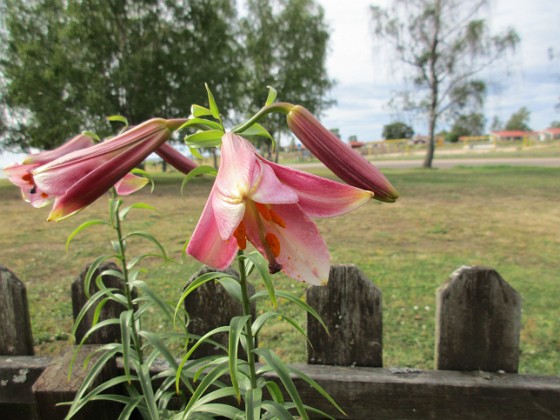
{"points": [[252, 201]]}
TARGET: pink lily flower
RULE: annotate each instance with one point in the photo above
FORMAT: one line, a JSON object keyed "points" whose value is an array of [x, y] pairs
{"points": [[345, 163], [176, 159], [21, 175], [77, 179], [270, 205]]}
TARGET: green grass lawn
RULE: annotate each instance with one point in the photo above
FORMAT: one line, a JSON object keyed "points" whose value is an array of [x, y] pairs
{"points": [[507, 218]]}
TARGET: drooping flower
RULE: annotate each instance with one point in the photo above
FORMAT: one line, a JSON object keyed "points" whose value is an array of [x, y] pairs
{"points": [[270, 205], [21, 175], [78, 178], [176, 159], [345, 163]]}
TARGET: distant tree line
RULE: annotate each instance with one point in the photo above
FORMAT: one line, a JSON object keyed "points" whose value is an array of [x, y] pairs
{"points": [[67, 64]]}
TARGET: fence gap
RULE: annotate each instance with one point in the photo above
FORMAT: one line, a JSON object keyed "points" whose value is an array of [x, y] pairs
{"points": [[478, 320], [350, 306], [16, 338]]}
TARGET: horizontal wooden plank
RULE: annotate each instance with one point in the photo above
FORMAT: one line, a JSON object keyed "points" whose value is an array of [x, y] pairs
{"points": [[366, 393], [17, 375]]}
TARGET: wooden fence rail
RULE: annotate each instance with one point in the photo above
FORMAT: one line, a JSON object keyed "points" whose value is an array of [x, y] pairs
{"points": [[476, 353]]}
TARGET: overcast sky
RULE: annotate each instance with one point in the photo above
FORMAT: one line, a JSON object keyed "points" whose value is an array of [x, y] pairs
{"points": [[366, 80]]}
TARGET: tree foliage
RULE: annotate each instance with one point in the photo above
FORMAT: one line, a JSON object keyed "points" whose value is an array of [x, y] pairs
{"points": [[444, 45], [397, 130], [66, 65], [519, 120], [467, 125], [286, 45]]}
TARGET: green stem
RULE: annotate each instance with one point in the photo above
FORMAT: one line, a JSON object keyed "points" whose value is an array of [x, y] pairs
{"points": [[115, 206], [282, 107], [247, 311]]}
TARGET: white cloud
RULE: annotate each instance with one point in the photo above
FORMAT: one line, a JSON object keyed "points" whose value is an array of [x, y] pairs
{"points": [[366, 79]]}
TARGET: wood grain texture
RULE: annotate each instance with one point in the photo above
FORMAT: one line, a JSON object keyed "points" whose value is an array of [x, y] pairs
{"points": [[478, 321], [15, 326], [350, 307]]}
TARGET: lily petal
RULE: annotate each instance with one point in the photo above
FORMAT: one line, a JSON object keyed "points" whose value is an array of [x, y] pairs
{"points": [[130, 184], [321, 197], [206, 245], [303, 252]]}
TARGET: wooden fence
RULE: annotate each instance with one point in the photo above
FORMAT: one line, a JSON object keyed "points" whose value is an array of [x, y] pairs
{"points": [[476, 354]]}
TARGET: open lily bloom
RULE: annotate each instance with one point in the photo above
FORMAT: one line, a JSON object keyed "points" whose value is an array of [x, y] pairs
{"points": [[77, 179], [269, 205], [21, 175]]}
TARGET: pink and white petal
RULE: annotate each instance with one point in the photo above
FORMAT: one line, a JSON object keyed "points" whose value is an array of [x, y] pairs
{"points": [[236, 167], [130, 184], [38, 199], [206, 245], [303, 252], [17, 172], [228, 214], [75, 143], [321, 197], [267, 189]]}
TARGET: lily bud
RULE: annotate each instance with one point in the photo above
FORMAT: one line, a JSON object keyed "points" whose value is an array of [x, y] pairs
{"points": [[344, 162]]}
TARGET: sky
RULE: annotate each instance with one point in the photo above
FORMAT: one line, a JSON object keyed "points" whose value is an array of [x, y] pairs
{"points": [[366, 79]]}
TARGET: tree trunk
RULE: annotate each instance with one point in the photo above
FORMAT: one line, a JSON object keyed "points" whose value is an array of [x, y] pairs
{"points": [[431, 141]]}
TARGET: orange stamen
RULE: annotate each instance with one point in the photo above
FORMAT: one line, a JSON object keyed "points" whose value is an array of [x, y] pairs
{"points": [[240, 234], [28, 178], [277, 219], [273, 243], [264, 211], [44, 195]]}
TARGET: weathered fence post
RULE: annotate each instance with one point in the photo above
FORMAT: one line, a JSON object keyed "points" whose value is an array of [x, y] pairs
{"points": [[478, 319], [15, 326], [211, 306], [109, 334], [350, 306]]}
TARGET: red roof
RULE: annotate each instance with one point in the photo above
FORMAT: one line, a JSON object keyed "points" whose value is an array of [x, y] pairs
{"points": [[355, 144], [510, 133], [552, 130]]}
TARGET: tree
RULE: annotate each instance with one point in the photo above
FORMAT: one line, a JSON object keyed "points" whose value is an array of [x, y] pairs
{"points": [[67, 65], [519, 120], [445, 46], [286, 48], [496, 124], [397, 130], [467, 125], [555, 124]]}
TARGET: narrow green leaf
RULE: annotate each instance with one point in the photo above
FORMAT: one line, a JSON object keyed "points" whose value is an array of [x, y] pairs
{"points": [[93, 267], [271, 96], [275, 392], [212, 102], [236, 326], [257, 130], [82, 227], [232, 287], [126, 325], [91, 135], [194, 151], [262, 266], [211, 377], [208, 138], [144, 206], [200, 111], [284, 375], [276, 411], [253, 403], [150, 238], [118, 118], [198, 171], [202, 124]]}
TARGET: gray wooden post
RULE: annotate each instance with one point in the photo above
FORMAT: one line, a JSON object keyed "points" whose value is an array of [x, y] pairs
{"points": [[53, 387], [350, 306], [15, 325], [211, 306], [111, 309], [478, 318]]}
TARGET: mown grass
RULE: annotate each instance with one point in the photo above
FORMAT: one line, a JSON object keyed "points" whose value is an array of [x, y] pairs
{"points": [[504, 217]]}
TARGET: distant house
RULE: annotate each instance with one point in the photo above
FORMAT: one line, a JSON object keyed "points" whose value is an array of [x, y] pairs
{"points": [[356, 144], [510, 135], [549, 134]]}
